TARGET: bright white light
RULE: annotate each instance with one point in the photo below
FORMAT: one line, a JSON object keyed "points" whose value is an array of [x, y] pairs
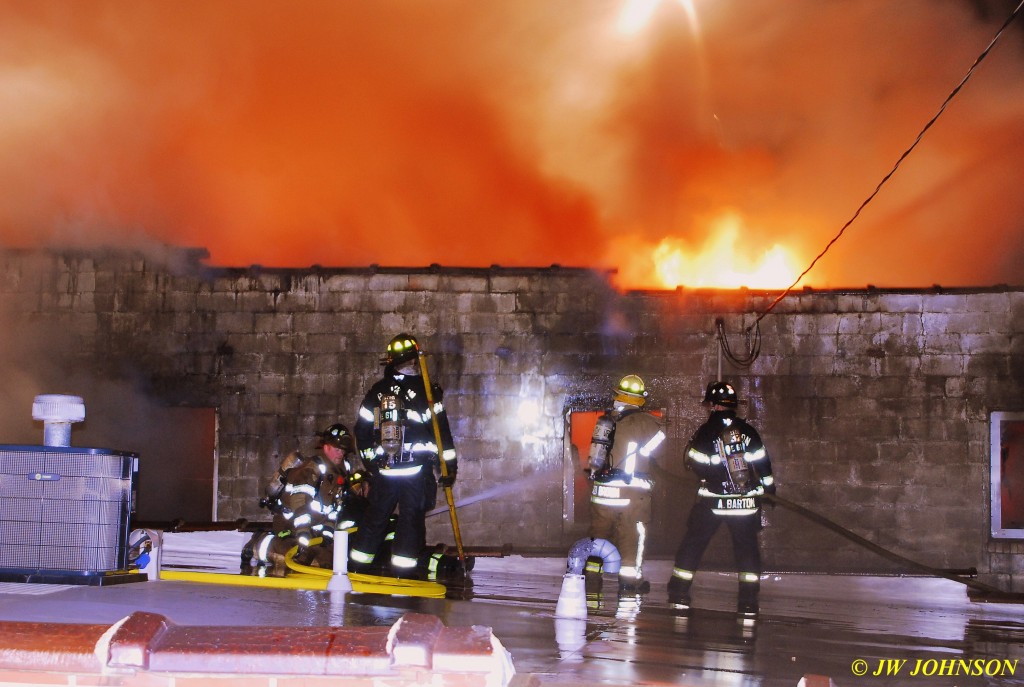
{"points": [[529, 413], [636, 15], [530, 427]]}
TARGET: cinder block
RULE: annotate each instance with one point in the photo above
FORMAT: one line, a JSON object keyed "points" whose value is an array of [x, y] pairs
{"points": [[460, 283], [423, 282], [388, 282]]}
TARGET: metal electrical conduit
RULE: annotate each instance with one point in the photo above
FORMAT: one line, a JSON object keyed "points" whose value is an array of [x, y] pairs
{"points": [[986, 592]]}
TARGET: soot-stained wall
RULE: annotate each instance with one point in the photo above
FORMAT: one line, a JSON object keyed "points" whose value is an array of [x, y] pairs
{"points": [[874, 404]]}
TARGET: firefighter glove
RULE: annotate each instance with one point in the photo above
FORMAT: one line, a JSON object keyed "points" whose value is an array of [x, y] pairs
{"points": [[449, 479], [304, 556]]}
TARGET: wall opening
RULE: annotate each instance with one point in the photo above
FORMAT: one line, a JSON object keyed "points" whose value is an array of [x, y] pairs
{"points": [[177, 467], [579, 429], [1006, 432]]}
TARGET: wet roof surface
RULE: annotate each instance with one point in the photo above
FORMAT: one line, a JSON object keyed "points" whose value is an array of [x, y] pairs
{"points": [[809, 624]]}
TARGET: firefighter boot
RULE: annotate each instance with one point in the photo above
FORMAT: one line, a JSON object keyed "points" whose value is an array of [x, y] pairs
{"points": [[750, 585], [304, 556], [433, 564], [679, 591], [277, 567], [451, 567], [633, 585], [249, 553], [246, 566]]}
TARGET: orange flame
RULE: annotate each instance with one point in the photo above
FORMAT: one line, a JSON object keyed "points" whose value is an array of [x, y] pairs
{"points": [[722, 261]]}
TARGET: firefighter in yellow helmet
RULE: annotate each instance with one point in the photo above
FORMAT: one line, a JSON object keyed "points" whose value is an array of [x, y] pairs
{"points": [[396, 434], [623, 447]]}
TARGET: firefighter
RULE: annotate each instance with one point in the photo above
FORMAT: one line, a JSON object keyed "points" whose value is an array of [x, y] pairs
{"points": [[395, 429], [310, 498], [623, 448], [735, 471]]}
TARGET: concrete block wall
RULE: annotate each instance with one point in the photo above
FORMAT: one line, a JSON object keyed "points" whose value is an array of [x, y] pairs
{"points": [[874, 403]]}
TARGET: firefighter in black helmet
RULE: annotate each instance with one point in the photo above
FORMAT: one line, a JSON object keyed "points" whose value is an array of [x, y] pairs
{"points": [[395, 429], [735, 471], [310, 498], [623, 448]]}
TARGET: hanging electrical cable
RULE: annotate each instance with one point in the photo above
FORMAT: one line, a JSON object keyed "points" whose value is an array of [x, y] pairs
{"points": [[752, 342], [753, 332]]}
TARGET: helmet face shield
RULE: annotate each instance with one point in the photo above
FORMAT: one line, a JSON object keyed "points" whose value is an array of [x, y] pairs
{"points": [[631, 390], [402, 348]]}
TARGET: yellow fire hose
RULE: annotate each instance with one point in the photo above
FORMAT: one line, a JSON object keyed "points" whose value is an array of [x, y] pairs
{"points": [[369, 584], [315, 579], [444, 468], [291, 582]]}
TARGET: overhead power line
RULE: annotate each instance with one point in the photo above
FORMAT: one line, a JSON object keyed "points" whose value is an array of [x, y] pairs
{"points": [[896, 166], [753, 332]]}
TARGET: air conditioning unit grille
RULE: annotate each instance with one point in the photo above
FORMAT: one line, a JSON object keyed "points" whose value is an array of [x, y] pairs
{"points": [[88, 512], [20, 508], [65, 508], [23, 534]]}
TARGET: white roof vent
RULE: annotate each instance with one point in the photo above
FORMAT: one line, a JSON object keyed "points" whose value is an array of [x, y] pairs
{"points": [[57, 412]]}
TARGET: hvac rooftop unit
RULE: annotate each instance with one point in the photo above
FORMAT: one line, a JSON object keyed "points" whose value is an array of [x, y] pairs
{"points": [[65, 511]]}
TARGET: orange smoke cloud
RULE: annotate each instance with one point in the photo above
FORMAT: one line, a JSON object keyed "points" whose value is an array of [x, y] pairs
{"points": [[517, 132]]}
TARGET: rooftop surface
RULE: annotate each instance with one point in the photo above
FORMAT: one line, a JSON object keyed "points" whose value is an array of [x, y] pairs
{"points": [[894, 630]]}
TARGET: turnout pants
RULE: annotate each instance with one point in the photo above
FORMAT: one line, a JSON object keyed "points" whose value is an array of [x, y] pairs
{"points": [[702, 525], [625, 526], [386, 492]]}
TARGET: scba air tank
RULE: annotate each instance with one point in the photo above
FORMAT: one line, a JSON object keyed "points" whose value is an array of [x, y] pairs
{"points": [[601, 441]]}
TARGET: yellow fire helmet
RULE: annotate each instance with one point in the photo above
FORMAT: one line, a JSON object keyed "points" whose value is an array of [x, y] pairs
{"points": [[401, 348], [631, 390]]}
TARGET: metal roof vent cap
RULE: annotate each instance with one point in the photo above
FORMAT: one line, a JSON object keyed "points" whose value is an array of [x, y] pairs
{"points": [[57, 412]]}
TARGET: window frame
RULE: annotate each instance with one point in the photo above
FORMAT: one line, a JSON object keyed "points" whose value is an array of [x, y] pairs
{"points": [[997, 420]]}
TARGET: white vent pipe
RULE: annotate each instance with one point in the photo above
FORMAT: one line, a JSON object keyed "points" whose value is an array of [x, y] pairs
{"points": [[57, 412]]}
